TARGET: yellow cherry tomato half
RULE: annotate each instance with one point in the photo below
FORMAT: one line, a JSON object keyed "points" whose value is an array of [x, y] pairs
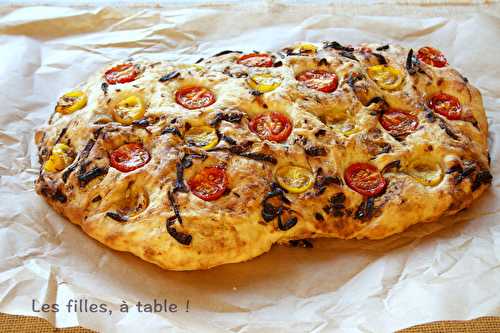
{"points": [[71, 102], [294, 179], [191, 66], [342, 122], [135, 201], [346, 128], [264, 82], [203, 137], [386, 77], [426, 173], [129, 109], [59, 159]]}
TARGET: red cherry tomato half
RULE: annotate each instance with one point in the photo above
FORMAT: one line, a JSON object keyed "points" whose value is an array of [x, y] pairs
{"points": [[432, 56], [365, 179], [319, 80], [194, 97], [129, 157], [398, 123], [121, 73], [446, 105], [272, 126], [209, 184], [256, 60]]}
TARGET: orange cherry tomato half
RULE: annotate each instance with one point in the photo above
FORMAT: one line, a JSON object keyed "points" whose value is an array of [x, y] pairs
{"points": [[255, 60], [319, 80], [209, 184], [272, 126], [432, 56], [398, 123], [365, 179], [194, 97], [446, 105], [129, 157], [122, 73]]}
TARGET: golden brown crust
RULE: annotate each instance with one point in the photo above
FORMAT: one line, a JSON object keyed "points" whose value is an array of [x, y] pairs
{"points": [[232, 228]]}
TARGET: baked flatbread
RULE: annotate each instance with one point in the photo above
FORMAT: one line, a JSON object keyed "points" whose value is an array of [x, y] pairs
{"points": [[189, 166]]}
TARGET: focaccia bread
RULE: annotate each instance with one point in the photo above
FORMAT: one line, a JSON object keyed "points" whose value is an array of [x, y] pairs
{"points": [[189, 166]]}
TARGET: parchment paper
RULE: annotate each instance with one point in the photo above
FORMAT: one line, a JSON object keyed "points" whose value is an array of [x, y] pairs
{"points": [[438, 271]]}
